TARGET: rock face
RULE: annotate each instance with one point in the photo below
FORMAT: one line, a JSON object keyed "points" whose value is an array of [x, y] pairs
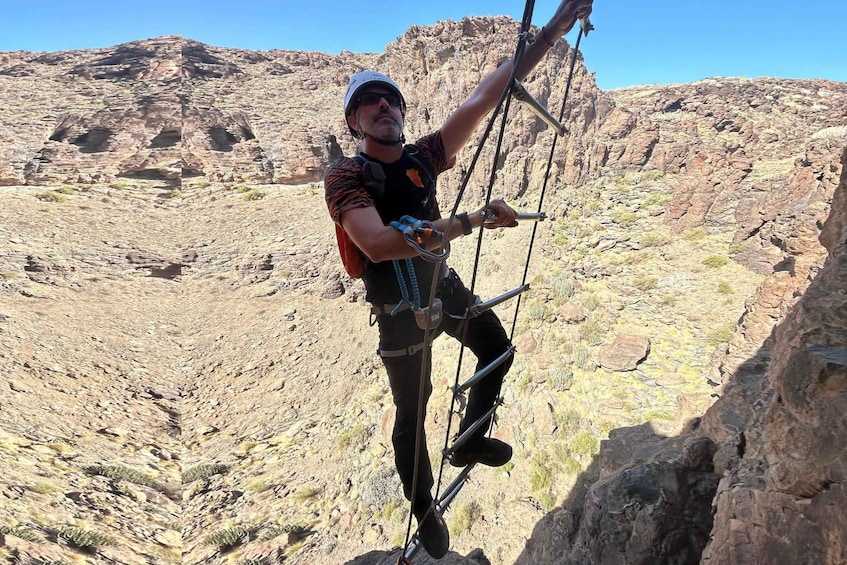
{"points": [[783, 497], [652, 510], [718, 140], [194, 333], [171, 108], [760, 478]]}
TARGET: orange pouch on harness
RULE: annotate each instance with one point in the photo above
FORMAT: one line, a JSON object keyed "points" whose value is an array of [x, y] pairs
{"points": [[351, 256]]}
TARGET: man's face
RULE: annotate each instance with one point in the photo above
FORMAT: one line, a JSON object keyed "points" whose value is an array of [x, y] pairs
{"points": [[378, 114]]}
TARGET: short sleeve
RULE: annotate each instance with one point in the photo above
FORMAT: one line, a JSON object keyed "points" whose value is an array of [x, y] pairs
{"points": [[432, 148], [343, 188]]}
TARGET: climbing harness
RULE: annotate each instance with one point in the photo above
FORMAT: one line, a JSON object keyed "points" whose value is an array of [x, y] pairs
{"points": [[411, 230]]}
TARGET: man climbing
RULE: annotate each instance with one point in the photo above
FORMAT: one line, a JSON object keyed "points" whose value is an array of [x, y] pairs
{"points": [[387, 181]]}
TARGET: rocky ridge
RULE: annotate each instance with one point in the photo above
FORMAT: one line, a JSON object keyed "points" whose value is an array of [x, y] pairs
{"points": [[148, 318]]}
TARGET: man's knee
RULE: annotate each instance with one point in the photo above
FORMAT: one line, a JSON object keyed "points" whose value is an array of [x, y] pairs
{"points": [[405, 419]]}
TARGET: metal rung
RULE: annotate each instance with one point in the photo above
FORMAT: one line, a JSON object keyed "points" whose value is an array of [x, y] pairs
{"points": [[467, 434], [414, 546], [453, 489], [491, 216], [442, 504], [478, 309], [521, 94], [484, 371], [534, 216]]}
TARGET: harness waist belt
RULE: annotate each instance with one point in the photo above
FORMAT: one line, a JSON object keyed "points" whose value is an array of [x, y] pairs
{"points": [[387, 309], [406, 351]]}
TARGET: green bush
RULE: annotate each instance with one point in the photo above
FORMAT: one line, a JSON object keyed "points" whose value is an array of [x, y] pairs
{"points": [[307, 493], [466, 514], [668, 299], [715, 261], [591, 302], [355, 435], [571, 466], [86, 540], [567, 419], [228, 538], [277, 530], [540, 475], [584, 443], [561, 378], [695, 234], [203, 471], [736, 248], [624, 217], [656, 199], [121, 473], [44, 488], [656, 414], [592, 332], [51, 196], [652, 239], [536, 310], [21, 532], [562, 287], [258, 486], [721, 335], [253, 194], [724, 288], [645, 282], [387, 511], [581, 357]]}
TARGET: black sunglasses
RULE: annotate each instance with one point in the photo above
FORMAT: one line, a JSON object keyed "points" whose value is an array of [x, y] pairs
{"points": [[371, 98]]}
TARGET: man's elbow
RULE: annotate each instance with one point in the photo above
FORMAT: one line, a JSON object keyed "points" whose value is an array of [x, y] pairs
{"points": [[383, 248], [376, 255]]}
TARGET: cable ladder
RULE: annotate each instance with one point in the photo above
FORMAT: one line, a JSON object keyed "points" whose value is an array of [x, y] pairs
{"points": [[514, 89]]}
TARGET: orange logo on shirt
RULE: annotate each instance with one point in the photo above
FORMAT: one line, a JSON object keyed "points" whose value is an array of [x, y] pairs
{"points": [[415, 177]]}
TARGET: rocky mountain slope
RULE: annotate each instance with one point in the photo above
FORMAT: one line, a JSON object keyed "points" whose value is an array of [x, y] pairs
{"points": [[188, 375]]}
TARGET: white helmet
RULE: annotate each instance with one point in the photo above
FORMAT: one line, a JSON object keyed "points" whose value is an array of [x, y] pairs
{"points": [[365, 78]]}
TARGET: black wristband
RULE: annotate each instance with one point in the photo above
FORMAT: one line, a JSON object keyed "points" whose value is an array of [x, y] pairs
{"points": [[467, 228]]}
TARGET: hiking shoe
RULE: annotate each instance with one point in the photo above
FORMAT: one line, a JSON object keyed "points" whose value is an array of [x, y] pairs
{"points": [[486, 451], [433, 533]]}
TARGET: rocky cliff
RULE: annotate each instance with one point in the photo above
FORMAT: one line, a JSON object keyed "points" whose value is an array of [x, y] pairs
{"points": [[187, 375], [760, 477]]}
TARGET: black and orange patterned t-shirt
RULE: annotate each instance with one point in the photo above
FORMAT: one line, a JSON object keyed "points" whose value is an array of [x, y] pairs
{"points": [[405, 194]]}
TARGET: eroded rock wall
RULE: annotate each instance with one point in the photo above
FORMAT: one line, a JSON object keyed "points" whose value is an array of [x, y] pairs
{"points": [[764, 468], [783, 499], [171, 108]]}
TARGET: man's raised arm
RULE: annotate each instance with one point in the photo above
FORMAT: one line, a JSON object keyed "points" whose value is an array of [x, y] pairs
{"points": [[461, 124]]}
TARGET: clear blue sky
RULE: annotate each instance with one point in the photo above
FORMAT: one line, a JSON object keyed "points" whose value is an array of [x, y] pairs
{"points": [[636, 42]]}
